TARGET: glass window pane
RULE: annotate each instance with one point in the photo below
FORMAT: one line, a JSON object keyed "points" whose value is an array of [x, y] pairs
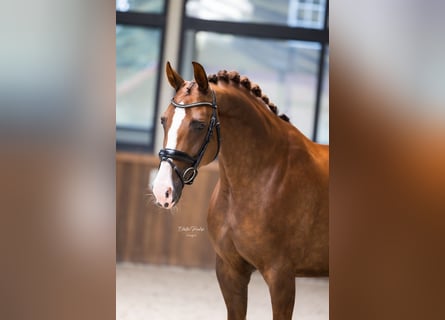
{"points": [[323, 123], [152, 6], [294, 13], [286, 70], [137, 61]]}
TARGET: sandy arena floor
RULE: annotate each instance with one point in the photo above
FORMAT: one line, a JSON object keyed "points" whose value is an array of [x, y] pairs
{"points": [[170, 293]]}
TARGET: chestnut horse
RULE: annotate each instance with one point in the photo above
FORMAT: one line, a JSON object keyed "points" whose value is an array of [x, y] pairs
{"points": [[269, 210]]}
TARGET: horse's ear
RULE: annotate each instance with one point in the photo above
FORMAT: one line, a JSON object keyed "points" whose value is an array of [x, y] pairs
{"points": [[173, 77], [200, 76]]}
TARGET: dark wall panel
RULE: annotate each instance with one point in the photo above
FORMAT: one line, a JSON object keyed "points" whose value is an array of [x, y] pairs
{"points": [[148, 234]]}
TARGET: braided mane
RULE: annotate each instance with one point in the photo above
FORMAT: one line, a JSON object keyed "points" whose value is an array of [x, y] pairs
{"points": [[235, 77]]}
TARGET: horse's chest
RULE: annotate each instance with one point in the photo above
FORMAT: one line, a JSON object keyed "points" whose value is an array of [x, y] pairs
{"points": [[232, 234], [225, 222]]}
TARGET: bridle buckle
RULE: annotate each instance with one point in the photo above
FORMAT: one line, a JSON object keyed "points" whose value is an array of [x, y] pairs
{"points": [[189, 175]]}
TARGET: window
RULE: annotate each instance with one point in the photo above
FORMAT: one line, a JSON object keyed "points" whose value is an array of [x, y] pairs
{"points": [[153, 6], [139, 37], [282, 45], [285, 70], [307, 13], [294, 13]]}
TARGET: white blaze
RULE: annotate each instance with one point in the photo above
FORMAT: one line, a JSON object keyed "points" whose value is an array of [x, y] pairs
{"points": [[163, 183], [172, 136]]}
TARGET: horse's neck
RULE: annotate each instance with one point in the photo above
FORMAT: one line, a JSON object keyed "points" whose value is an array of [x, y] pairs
{"points": [[252, 138]]}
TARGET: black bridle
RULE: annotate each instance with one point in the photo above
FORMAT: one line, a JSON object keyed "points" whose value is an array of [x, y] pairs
{"points": [[169, 155]]}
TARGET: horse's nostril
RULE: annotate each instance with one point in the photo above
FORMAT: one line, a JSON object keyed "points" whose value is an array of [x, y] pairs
{"points": [[167, 194], [165, 205]]}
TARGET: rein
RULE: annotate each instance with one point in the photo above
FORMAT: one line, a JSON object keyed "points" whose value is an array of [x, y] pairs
{"points": [[168, 154]]}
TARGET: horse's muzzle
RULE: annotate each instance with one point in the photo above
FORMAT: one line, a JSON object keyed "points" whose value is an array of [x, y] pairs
{"points": [[167, 187]]}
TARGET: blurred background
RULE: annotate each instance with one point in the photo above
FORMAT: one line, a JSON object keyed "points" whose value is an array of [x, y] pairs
{"points": [[281, 45], [58, 172]]}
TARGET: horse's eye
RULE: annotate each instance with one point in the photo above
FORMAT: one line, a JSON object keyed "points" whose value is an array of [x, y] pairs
{"points": [[163, 121], [197, 125]]}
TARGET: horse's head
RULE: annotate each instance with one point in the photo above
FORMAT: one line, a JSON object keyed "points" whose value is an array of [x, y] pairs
{"points": [[191, 135]]}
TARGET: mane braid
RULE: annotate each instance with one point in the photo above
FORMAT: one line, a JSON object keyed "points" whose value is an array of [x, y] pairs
{"points": [[236, 79]]}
